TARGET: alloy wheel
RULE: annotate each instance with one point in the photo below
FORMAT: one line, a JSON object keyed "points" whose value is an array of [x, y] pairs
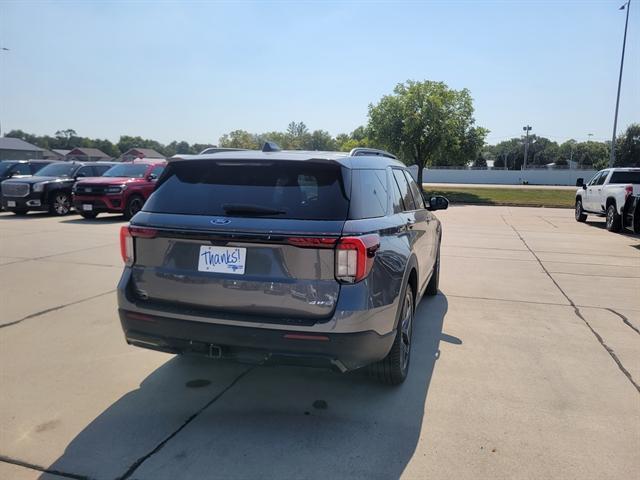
{"points": [[61, 204]]}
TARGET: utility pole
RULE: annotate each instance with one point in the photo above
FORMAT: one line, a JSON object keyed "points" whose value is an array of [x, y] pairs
{"points": [[612, 157], [526, 146]]}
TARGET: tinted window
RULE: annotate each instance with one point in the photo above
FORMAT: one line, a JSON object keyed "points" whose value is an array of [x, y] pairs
{"points": [[602, 178], [368, 194], [4, 167], [594, 179], [85, 172], [21, 169], [625, 177], [37, 166], [157, 171], [407, 198], [278, 189], [129, 170], [100, 169], [417, 196], [398, 204], [58, 170]]}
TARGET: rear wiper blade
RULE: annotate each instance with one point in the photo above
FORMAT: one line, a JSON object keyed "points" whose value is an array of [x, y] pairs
{"points": [[242, 209]]}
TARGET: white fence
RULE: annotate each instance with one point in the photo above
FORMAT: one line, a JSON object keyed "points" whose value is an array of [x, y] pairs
{"points": [[507, 177]]}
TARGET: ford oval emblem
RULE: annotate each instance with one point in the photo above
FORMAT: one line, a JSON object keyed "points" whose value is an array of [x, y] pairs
{"points": [[220, 221]]}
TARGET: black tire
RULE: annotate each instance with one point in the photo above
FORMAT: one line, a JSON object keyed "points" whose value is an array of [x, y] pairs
{"points": [[393, 369], [20, 212], [133, 206], [89, 215], [434, 281], [614, 220], [580, 215], [60, 203]]}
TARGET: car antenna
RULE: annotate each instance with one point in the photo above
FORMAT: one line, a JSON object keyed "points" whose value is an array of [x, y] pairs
{"points": [[271, 147]]}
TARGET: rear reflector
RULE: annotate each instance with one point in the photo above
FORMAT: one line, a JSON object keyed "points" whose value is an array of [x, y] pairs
{"points": [[304, 336], [142, 232], [354, 257], [139, 316]]}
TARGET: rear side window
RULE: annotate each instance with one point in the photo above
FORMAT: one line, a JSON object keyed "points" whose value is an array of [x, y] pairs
{"points": [[272, 189], [407, 198], [625, 177], [368, 194]]}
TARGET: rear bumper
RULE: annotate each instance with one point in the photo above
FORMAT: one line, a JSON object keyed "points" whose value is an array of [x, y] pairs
{"points": [[103, 203], [345, 351]]}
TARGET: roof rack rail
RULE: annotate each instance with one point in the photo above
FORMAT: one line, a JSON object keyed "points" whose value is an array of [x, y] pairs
{"points": [[356, 152]]}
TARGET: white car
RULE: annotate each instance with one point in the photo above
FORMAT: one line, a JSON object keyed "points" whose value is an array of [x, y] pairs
{"points": [[606, 194]]}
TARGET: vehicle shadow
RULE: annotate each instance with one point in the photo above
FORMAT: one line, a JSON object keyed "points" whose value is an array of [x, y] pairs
{"points": [[602, 224], [275, 422], [101, 220]]}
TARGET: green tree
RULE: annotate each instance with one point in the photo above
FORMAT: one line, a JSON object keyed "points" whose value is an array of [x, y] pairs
{"points": [[427, 123], [239, 139], [628, 147]]}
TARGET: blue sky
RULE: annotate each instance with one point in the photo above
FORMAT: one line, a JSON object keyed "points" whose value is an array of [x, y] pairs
{"points": [[194, 70]]}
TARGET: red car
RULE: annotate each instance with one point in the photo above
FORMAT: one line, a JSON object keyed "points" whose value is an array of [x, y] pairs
{"points": [[122, 189]]}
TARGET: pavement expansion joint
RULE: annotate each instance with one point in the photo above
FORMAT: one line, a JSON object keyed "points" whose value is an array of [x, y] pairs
{"points": [[131, 470], [577, 311]]}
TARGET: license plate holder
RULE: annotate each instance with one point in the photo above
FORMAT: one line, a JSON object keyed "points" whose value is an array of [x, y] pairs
{"points": [[87, 207], [11, 203]]}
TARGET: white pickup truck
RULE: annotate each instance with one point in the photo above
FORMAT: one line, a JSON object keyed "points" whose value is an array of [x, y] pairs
{"points": [[606, 194]]}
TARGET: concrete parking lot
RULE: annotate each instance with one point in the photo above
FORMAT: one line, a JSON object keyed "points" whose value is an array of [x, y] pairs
{"points": [[526, 365]]}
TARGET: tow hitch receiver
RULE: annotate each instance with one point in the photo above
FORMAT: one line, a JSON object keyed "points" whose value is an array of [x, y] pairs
{"points": [[215, 351]]}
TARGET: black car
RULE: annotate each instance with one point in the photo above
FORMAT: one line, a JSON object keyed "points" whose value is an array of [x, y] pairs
{"points": [[50, 188], [22, 168]]}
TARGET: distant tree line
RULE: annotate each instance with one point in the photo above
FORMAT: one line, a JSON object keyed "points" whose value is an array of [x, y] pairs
{"points": [[542, 151], [424, 123]]}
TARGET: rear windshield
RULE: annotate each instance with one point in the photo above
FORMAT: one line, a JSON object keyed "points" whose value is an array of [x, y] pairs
{"points": [[272, 189], [129, 171], [625, 177]]}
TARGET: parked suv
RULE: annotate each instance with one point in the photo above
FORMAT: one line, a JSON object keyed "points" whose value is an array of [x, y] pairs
{"points": [[607, 194], [50, 188], [123, 189], [305, 257], [21, 168]]}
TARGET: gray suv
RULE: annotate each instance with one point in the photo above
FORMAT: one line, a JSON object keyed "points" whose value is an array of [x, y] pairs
{"points": [[312, 258]]}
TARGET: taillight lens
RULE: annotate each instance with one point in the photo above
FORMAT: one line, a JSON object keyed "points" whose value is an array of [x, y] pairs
{"points": [[354, 257], [127, 245]]}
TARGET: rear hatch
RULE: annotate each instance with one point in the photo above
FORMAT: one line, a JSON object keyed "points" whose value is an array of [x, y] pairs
{"points": [[243, 238]]}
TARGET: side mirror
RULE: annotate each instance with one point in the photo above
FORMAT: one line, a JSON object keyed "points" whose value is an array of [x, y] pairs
{"points": [[580, 182], [152, 177], [438, 203]]}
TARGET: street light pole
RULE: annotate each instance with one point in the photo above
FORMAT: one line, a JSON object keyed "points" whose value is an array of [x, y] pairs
{"points": [[526, 146], [612, 157]]}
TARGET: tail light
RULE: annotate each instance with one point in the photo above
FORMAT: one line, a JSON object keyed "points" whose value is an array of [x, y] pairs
{"points": [[628, 191], [354, 257], [127, 245]]}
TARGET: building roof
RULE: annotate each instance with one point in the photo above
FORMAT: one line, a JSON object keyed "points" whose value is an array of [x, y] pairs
{"points": [[8, 143], [60, 151], [88, 152], [143, 153]]}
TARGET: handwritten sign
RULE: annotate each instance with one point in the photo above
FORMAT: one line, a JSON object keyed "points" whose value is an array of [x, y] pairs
{"points": [[222, 259]]}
